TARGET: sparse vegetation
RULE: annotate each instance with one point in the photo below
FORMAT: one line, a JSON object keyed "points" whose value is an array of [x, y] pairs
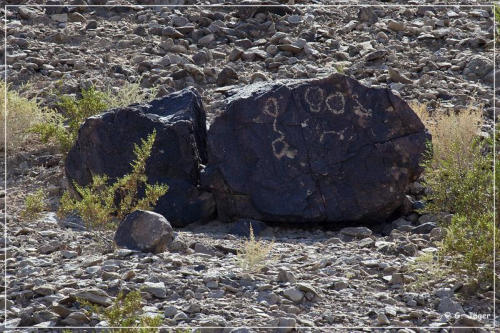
{"points": [[101, 205], [34, 204], [254, 253], [62, 127], [128, 94], [22, 113], [340, 68], [126, 311], [428, 269], [459, 175], [497, 20]]}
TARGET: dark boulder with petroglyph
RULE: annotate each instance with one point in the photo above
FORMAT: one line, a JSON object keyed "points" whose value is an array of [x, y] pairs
{"points": [[316, 150], [105, 145]]}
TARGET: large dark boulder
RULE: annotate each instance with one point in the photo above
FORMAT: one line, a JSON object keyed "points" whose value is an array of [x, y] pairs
{"points": [[105, 146], [316, 150]]}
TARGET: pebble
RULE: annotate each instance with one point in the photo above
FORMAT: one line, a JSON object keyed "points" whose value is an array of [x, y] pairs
{"points": [[293, 294], [156, 289], [382, 319], [358, 232]]}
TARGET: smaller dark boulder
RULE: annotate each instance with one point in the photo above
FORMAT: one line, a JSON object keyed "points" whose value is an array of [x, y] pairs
{"points": [[226, 77], [144, 231], [105, 145]]}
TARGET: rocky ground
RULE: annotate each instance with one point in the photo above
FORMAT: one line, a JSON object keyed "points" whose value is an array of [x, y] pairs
{"points": [[441, 56]]}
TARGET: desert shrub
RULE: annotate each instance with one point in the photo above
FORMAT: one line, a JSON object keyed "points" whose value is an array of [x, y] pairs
{"points": [[459, 176], [101, 205], [497, 20], [34, 204], [128, 94], [126, 311], [254, 253], [453, 134], [63, 127], [22, 113]]}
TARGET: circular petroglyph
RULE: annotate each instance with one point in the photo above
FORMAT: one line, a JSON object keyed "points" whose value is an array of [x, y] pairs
{"points": [[335, 103], [271, 107], [314, 98]]}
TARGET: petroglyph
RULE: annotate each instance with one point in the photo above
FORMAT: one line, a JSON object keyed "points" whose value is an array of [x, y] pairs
{"points": [[361, 112], [335, 103], [314, 98], [281, 148], [359, 109], [340, 134]]}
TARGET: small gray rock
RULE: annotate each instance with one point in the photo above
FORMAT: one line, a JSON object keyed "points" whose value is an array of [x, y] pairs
{"points": [[449, 305], [286, 325], [382, 319], [156, 289], [170, 311], [180, 316], [358, 232], [293, 294], [285, 275], [424, 228]]}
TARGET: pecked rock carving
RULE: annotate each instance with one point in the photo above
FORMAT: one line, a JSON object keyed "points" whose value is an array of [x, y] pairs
{"points": [[325, 149]]}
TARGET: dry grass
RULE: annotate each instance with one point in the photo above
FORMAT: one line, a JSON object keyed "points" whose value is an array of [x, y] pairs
{"points": [[459, 177], [429, 270], [254, 253], [128, 94], [22, 114], [453, 133]]}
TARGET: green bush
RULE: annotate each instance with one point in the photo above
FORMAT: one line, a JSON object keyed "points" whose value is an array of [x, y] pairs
{"points": [[497, 20], [102, 205], [63, 127], [126, 311], [460, 179], [461, 188], [34, 204]]}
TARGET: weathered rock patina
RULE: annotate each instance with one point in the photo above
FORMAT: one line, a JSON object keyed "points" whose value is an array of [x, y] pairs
{"points": [[328, 149]]}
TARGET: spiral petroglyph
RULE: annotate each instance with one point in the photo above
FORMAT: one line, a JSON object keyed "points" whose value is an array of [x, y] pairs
{"points": [[281, 148]]}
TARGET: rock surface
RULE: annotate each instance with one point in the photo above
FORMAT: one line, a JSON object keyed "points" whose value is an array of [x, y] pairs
{"points": [[144, 231], [105, 146], [325, 149]]}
